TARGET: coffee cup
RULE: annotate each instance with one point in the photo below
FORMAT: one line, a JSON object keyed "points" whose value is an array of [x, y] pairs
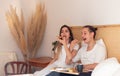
{"points": [[79, 67]]}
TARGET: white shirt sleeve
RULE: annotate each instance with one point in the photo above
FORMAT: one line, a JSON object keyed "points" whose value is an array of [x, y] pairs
{"points": [[76, 47]]}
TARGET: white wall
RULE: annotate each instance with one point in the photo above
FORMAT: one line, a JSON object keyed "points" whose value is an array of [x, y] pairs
{"points": [[7, 42], [70, 12]]}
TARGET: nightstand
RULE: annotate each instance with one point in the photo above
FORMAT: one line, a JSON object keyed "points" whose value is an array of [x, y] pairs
{"points": [[40, 62]]}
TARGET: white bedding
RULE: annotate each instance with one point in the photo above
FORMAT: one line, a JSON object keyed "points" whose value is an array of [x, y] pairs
{"points": [[107, 68]]}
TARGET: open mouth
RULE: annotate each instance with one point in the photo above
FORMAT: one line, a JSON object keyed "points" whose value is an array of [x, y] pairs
{"points": [[84, 39], [64, 36]]}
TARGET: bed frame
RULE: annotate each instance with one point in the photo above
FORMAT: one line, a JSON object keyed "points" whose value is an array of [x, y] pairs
{"points": [[110, 35]]}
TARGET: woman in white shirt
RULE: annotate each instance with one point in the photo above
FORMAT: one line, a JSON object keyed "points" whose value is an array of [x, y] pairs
{"points": [[66, 49], [91, 53]]}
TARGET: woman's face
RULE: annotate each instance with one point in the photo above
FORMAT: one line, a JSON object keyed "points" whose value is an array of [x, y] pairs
{"points": [[87, 36], [65, 33]]}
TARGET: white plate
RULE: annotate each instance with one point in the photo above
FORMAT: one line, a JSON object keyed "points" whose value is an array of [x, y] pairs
{"points": [[61, 69]]}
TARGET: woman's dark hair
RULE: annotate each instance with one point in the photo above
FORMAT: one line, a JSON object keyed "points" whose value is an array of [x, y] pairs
{"points": [[71, 34], [91, 29]]}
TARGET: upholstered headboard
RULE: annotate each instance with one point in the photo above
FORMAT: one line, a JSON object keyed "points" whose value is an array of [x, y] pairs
{"points": [[109, 33]]}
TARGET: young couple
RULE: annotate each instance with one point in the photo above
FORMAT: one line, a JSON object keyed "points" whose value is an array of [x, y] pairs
{"points": [[68, 52]]}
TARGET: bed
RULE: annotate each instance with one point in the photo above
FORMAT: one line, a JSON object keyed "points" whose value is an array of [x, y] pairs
{"points": [[111, 37]]}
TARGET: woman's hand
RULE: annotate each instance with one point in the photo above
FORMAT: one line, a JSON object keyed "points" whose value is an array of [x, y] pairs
{"points": [[62, 40], [89, 66]]}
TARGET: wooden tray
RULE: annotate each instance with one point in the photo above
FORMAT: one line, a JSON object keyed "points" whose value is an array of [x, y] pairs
{"points": [[65, 70]]}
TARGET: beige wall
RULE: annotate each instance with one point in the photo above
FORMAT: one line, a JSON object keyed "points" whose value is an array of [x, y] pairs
{"points": [[71, 12], [6, 39]]}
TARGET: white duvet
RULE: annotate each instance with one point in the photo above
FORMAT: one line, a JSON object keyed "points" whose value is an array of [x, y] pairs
{"points": [[109, 67]]}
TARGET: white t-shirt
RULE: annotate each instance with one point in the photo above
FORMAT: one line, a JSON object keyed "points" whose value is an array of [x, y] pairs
{"points": [[96, 55], [61, 60]]}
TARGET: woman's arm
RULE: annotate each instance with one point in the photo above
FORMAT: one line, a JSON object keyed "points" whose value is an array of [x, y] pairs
{"points": [[71, 52], [67, 50], [70, 55], [54, 59], [88, 67]]}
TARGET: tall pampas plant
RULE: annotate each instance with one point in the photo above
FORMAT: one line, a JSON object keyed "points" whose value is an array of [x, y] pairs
{"points": [[16, 25], [35, 29]]}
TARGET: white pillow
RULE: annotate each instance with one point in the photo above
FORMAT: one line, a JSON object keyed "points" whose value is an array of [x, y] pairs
{"points": [[117, 73], [100, 41], [106, 67]]}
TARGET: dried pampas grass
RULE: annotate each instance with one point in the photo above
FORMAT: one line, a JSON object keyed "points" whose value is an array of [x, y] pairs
{"points": [[16, 26], [35, 29]]}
